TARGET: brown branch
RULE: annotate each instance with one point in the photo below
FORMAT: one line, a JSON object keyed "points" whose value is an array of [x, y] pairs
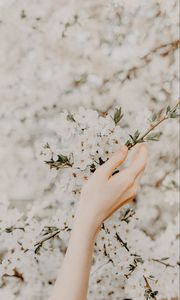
{"points": [[172, 46], [149, 289], [162, 262], [16, 274], [39, 244]]}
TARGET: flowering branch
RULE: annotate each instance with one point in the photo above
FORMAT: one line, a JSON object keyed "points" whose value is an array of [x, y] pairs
{"points": [[156, 121], [53, 231], [65, 162]]}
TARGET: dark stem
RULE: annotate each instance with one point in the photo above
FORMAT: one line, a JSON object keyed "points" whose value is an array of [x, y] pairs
{"points": [[149, 287], [39, 244], [162, 262]]}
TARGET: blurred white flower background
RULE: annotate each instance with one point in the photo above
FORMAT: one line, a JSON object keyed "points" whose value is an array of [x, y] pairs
{"points": [[65, 69]]}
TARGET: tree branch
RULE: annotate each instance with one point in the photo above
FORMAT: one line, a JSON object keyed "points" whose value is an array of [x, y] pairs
{"points": [[141, 138]]}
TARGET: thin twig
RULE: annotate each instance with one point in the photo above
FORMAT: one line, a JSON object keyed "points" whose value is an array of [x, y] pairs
{"points": [[152, 127], [40, 243], [47, 238], [163, 263], [146, 58], [15, 274], [148, 287]]}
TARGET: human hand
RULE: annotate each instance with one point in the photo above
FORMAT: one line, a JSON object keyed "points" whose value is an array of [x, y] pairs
{"points": [[103, 193], [100, 197]]}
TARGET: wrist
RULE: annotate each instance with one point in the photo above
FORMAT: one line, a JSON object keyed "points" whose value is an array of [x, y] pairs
{"points": [[86, 221]]}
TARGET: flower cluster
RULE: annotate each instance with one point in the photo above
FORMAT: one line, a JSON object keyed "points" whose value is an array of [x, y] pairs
{"points": [[133, 255]]}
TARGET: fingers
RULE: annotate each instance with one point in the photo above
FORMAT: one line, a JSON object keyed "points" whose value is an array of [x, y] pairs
{"points": [[132, 191], [114, 162], [128, 195], [119, 204], [126, 177], [139, 161]]}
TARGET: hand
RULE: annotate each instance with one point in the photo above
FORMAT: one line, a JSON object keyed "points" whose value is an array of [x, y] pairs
{"points": [[103, 193], [100, 197]]}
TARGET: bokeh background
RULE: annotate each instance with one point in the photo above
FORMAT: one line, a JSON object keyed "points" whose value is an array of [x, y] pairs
{"points": [[57, 55]]}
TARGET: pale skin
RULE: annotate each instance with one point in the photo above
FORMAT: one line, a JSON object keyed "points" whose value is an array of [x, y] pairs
{"points": [[100, 197]]}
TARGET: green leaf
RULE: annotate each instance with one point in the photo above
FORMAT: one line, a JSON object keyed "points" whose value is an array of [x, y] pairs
{"points": [[46, 146], [153, 136], [168, 110], [62, 162], [128, 143], [174, 115], [70, 117], [135, 136], [153, 294], [154, 117], [62, 159], [126, 212], [172, 112], [117, 115]]}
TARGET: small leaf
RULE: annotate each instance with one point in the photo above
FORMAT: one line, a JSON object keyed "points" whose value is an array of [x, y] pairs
{"points": [[46, 146], [153, 136], [153, 118], [117, 115], [70, 117], [153, 294], [126, 212], [135, 136], [128, 143], [62, 162], [62, 159], [168, 110], [174, 115]]}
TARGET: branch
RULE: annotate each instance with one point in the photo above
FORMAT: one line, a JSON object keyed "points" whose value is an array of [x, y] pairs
{"points": [[15, 274], [123, 244], [162, 262], [137, 138], [149, 292], [52, 231], [39, 244], [171, 46], [47, 238]]}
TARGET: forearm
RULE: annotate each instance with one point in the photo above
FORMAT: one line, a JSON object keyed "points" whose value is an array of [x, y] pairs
{"points": [[103, 194], [72, 282]]}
